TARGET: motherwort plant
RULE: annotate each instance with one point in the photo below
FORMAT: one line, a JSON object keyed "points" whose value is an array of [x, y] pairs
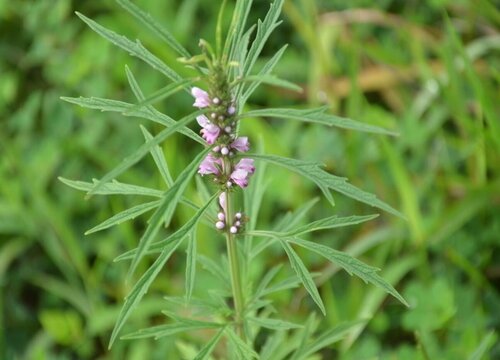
{"points": [[224, 82]]}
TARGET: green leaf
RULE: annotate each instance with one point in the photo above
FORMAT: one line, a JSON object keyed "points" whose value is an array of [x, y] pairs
{"points": [[317, 116], [242, 349], [209, 347], [162, 94], [190, 265], [266, 70], [351, 265], [326, 181], [292, 219], [158, 246], [148, 21], [125, 109], [166, 209], [142, 151], [271, 80], [488, 341], [264, 30], [328, 337], [303, 274], [125, 215], [112, 188], [133, 48], [274, 324], [142, 286], [159, 158], [214, 268], [160, 331], [236, 29]]}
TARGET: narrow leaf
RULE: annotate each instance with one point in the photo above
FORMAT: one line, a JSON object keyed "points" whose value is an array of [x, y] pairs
{"points": [[125, 215], [133, 48], [112, 188], [274, 324], [148, 21], [303, 274], [272, 80], [142, 286], [351, 265], [326, 181], [166, 209], [159, 158], [160, 331], [205, 352], [190, 265], [329, 223], [243, 350], [318, 116], [142, 151]]}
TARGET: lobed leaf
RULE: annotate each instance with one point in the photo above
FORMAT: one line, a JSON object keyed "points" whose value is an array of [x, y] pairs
{"points": [[303, 274], [352, 265], [143, 150], [326, 181], [166, 209], [191, 255], [142, 286], [242, 349], [271, 80], [148, 21], [318, 116], [237, 28], [160, 331], [133, 48], [159, 159], [205, 352], [125, 215]]}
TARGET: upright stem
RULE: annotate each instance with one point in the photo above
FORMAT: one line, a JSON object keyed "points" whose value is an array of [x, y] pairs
{"points": [[234, 269]]}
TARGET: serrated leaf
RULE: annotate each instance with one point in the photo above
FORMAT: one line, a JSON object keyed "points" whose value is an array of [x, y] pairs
{"points": [[264, 30], [159, 245], [159, 158], [242, 349], [326, 181], [273, 324], [303, 274], [191, 255], [125, 215], [142, 151], [209, 347], [266, 70], [112, 188], [142, 286], [148, 21], [317, 116], [133, 48], [352, 265], [125, 109], [166, 209]]}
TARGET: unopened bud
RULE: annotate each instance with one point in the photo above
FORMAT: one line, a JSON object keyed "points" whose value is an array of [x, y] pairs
{"points": [[238, 215], [216, 149], [237, 223], [227, 129], [216, 100], [233, 229], [220, 225], [229, 184], [224, 151], [213, 115], [221, 216]]}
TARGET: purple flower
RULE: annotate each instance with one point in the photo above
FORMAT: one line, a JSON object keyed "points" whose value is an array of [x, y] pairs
{"points": [[201, 98], [242, 171], [210, 165], [210, 131], [241, 144]]}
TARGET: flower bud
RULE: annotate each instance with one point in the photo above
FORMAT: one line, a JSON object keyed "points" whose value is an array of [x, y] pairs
{"points": [[221, 216], [220, 225], [233, 229], [224, 151]]}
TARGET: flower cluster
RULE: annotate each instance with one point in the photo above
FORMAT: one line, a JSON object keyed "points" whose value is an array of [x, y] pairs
{"points": [[219, 130]]}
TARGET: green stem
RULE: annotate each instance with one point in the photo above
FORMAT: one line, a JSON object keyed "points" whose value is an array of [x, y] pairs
{"points": [[234, 270]]}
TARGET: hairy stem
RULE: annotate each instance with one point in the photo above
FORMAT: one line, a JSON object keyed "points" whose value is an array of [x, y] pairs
{"points": [[234, 269]]}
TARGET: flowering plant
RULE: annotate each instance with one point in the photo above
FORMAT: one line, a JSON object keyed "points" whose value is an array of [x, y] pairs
{"points": [[228, 74]]}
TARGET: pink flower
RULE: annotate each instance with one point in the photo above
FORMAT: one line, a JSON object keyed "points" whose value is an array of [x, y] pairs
{"points": [[210, 132], [241, 144], [201, 98], [210, 165], [222, 201], [242, 171]]}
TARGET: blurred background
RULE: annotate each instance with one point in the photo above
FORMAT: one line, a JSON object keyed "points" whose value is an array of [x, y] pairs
{"points": [[428, 69]]}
